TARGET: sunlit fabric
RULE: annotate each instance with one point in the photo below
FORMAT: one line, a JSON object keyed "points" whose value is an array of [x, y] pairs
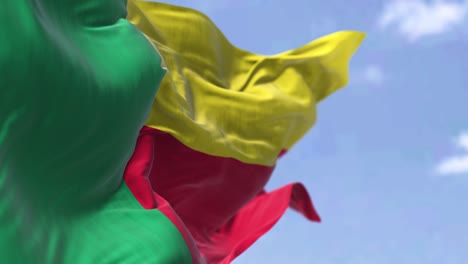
{"points": [[221, 118], [136, 133], [77, 83]]}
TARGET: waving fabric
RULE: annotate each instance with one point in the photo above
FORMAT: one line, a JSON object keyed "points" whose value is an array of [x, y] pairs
{"points": [[135, 132], [222, 116], [77, 82]]}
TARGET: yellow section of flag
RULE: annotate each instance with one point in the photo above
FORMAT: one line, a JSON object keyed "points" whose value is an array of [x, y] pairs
{"points": [[224, 101]]}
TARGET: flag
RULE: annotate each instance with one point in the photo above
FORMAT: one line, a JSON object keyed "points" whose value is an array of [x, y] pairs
{"points": [[77, 83], [136, 133], [221, 118]]}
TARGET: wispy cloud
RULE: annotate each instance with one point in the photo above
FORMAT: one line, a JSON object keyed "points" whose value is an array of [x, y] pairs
{"points": [[415, 19], [374, 74], [457, 164], [371, 74]]}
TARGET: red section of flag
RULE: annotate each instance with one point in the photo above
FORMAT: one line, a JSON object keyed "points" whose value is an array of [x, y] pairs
{"points": [[220, 201], [136, 178], [254, 220]]}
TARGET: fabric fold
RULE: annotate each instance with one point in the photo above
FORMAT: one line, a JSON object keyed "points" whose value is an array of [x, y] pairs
{"points": [[221, 118], [96, 167], [227, 102]]}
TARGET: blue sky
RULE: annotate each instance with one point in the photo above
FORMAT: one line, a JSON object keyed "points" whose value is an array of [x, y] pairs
{"points": [[387, 162]]}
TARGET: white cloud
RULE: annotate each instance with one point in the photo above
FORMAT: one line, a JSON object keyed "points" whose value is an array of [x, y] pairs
{"points": [[415, 19], [456, 164], [453, 165], [369, 75], [373, 74], [462, 141]]}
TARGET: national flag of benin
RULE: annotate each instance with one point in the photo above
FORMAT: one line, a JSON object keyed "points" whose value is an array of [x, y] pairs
{"points": [[98, 167]]}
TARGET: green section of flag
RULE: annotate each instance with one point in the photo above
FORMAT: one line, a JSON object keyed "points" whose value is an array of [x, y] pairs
{"points": [[77, 83]]}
